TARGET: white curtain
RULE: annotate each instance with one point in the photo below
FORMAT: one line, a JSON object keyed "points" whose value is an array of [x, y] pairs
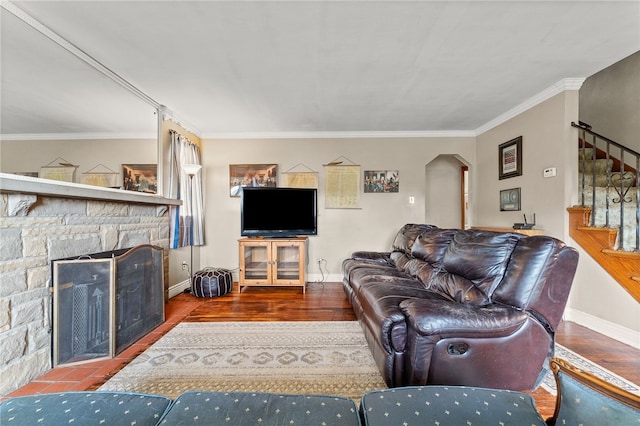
{"points": [[187, 220]]}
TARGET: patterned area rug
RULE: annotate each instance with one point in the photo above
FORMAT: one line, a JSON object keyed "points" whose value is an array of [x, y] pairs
{"points": [[549, 383], [315, 357], [330, 358]]}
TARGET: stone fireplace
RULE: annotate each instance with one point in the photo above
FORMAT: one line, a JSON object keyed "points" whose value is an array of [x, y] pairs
{"points": [[40, 222]]}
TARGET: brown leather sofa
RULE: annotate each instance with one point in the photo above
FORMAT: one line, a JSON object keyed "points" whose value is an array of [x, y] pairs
{"points": [[461, 307]]}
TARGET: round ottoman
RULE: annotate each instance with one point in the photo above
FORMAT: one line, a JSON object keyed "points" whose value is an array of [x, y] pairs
{"points": [[211, 282]]}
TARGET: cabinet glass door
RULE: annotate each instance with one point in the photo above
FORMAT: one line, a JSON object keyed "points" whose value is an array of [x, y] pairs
{"points": [[287, 263], [256, 262]]}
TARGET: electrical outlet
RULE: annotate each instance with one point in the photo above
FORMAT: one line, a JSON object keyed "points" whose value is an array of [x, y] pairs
{"points": [[184, 265]]}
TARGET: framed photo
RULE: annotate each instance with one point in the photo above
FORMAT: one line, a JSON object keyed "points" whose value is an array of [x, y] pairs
{"points": [[510, 200], [241, 175], [140, 177], [510, 158], [381, 181]]}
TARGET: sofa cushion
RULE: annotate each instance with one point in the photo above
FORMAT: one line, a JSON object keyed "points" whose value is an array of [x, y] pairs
{"points": [[403, 242], [84, 408], [448, 405], [480, 257], [255, 408], [452, 287], [431, 245]]}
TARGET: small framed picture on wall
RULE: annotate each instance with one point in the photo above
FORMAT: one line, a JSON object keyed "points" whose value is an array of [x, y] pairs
{"points": [[510, 158], [510, 200]]}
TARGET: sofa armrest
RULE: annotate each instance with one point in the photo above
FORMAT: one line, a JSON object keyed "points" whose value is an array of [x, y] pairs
{"points": [[427, 317], [586, 399], [431, 321]]}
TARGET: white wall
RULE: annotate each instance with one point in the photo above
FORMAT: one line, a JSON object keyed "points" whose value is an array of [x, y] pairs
{"points": [[340, 231]]}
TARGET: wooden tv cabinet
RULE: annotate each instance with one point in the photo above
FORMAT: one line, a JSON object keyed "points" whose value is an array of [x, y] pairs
{"points": [[273, 262]]}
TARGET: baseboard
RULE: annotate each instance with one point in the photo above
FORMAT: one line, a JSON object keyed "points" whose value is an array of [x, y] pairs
{"points": [[327, 278], [607, 328], [176, 289]]}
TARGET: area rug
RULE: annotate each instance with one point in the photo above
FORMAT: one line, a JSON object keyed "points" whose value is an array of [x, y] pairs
{"points": [[549, 383], [314, 357], [297, 357]]}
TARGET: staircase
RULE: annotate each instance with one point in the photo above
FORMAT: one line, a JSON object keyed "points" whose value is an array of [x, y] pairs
{"points": [[607, 222]]}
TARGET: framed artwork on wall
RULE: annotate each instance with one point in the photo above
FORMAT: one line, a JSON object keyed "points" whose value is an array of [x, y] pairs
{"points": [[510, 158], [510, 200], [241, 175], [140, 177], [381, 181]]}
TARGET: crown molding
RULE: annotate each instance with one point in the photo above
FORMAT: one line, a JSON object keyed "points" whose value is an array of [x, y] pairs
{"points": [[559, 87], [342, 135], [75, 136]]}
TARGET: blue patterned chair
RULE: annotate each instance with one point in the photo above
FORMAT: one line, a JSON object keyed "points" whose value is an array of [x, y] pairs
{"points": [[586, 399]]}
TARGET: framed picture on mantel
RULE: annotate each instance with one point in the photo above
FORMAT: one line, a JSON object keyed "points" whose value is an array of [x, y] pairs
{"points": [[510, 158]]}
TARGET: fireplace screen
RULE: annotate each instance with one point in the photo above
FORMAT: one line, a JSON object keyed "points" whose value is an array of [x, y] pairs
{"points": [[105, 302]]}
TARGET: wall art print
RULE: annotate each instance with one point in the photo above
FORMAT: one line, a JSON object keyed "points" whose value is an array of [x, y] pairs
{"points": [[510, 200], [381, 181], [510, 158], [261, 175], [140, 177]]}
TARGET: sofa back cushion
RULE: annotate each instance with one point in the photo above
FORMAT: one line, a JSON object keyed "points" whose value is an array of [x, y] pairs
{"points": [[403, 242], [539, 278], [431, 245], [465, 266], [480, 257]]}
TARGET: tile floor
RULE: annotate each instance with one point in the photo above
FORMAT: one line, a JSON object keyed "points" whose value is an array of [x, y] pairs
{"points": [[91, 375]]}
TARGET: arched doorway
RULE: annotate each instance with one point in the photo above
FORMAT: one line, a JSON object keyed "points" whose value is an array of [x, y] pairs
{"points": [[446, 192]]}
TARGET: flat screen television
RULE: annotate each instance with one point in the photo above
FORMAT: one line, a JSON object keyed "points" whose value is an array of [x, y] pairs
{"points": [[278, 212]]}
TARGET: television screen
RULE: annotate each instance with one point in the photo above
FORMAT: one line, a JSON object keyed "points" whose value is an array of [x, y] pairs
{"points": [[278, 212]]}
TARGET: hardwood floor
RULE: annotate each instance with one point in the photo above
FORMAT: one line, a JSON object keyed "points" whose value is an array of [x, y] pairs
{"points": [[321, 302], [327, 302]]}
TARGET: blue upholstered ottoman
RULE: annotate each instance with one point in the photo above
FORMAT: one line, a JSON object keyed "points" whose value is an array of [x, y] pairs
{"points": [[84, 408], [448, 406], [257, 408]]}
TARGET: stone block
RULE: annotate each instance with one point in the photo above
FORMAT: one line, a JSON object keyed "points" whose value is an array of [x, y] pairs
{"points": [[39, 278], [38, 338], [73, 245], [13, 344], [23, 371], [5, 319], [133, 238], [10, 243], [19, 204], [138, 210], [101, 208], [25, 313], [13, 282], [58, 207], [35, 246]]}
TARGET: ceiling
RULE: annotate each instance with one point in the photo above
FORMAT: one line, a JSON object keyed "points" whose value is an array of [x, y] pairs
{"points": [[265, 68]]}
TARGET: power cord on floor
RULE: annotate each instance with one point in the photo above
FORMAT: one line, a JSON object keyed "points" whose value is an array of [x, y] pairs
{"points": [[324, 278]]}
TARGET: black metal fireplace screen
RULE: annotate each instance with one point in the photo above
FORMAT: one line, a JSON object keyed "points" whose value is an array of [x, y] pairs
{"points": [[105, 302]]}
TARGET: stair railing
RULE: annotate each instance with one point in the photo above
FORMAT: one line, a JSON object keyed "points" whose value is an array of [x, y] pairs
{"points": [[626, 163]]}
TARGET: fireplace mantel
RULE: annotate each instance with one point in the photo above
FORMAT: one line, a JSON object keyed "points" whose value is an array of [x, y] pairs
{"points": [[29, 185]]}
